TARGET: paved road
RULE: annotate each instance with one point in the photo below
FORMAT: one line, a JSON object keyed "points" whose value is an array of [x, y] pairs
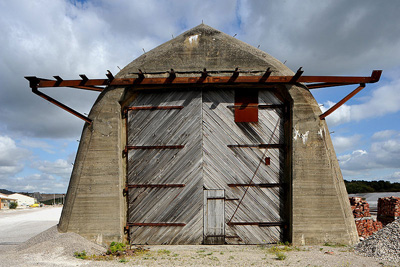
{"points": [[17, 226]]}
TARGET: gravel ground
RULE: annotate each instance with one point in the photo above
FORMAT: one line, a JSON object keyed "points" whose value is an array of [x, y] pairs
{"points": [[382, 245], [51, 248]]}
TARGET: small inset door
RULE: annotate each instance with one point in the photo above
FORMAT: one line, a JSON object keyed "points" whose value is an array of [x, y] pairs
{"points": [[214, 217]]}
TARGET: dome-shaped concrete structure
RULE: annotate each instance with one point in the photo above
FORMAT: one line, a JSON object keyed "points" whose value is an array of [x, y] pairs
{"points": [[207, 163]]}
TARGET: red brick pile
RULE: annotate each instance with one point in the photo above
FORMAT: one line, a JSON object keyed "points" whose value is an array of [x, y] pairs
{"points": [[366, 226], [359, 207], [388, 209]]}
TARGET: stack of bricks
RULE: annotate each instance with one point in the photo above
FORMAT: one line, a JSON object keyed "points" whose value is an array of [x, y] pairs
{"points": [[366, 226], [388, 209]]}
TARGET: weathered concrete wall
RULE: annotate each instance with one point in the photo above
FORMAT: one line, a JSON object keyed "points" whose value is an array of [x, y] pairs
{"points": [[95, 206], [321, 209]]}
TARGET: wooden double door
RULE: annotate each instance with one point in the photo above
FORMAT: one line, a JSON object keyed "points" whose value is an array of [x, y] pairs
{"points": [[189, 165]]}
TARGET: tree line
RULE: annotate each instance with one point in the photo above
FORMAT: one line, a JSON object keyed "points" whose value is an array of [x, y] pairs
{"points": [[360, 186]]}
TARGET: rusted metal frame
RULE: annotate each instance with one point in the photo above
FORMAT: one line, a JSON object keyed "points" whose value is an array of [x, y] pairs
{"points": [[325, 85], [341, 102], [33, 84], [172, 79], [259, 145], [254, 79], [155, 224], [155, 108], [266, 185], [154, 185], [261, 224]]}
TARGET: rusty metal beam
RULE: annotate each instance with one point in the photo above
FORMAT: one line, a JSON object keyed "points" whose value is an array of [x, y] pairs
{"points": [[341, 102], [172, 79], [324, 85], [34, 81]]}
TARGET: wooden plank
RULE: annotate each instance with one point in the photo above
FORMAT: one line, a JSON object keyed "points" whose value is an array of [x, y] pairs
{"points": [[154, 185], [155, 147], [154, 108], [155, 224], [225, 165], [214, 219], [166, 166], [261, 224], [257, 185], [269, 146]]}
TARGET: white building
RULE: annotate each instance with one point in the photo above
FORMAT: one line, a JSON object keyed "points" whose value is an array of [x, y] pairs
{"points": [[5, 201], [22, 199]]}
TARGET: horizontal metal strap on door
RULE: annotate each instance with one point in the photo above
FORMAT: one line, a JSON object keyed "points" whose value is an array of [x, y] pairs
{"points": [[216, 198], [155, 224], [155, 147], [154, 108], [259, 145], [257, 185], [272, 106], [154, 185], [260, 224]]}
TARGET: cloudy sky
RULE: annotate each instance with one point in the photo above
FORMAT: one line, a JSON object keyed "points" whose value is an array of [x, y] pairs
{"points": [[38, 141]]}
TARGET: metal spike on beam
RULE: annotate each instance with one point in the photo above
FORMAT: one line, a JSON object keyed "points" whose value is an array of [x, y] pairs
{"points": [[83, 77], [140, 74], [172, 74], [109, 76], [267, 73], [234, 76], [297, 75]]}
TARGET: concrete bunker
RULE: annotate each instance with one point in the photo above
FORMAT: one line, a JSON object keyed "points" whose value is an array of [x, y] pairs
{"points": [[207, 140]]}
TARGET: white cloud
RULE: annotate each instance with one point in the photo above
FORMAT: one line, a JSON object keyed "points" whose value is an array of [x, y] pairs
{"points": [[43, 183], [385, 134], [395, 177], [339, 116], [59, 167], [384, 100], [382, 154], [35, 143], [342, 143], [11, 157]]}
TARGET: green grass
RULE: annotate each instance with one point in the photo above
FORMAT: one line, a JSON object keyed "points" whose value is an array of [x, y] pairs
{"points": [[280, 256], [80, 255], [327, 244]]}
